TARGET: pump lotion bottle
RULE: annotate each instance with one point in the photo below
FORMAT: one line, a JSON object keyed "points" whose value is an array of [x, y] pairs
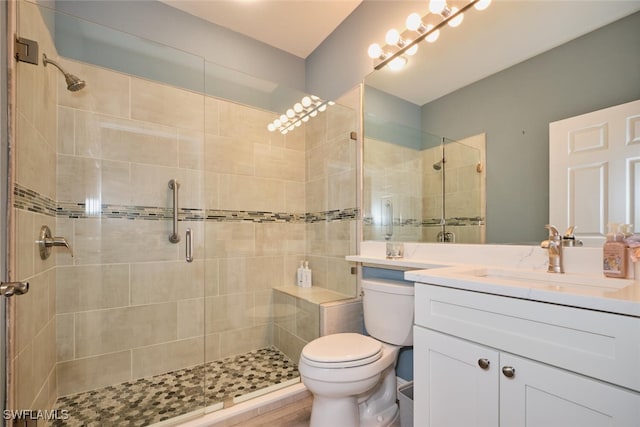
{"points": [[614, 254]]}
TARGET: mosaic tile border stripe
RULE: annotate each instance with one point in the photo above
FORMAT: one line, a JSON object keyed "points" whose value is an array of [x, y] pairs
{"points": [[434, 222], [30, 200]]}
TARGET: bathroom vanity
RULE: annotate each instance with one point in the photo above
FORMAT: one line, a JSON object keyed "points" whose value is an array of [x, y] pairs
{"points": [[520, 347], [505, 343]]}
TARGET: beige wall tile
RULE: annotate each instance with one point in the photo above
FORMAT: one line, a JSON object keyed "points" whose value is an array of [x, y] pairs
{"points": [[285, 309], [190, 149], [225, 154], [341, 316], [263, 302], [307, 320], [93, 372], [288, 343], [65, 337], [166, 281], [114, 138], [66, 130], [157, 359], [244, 340], [211, 121], [150, 186], [248, 123], [228, 312], [25, 253], [294, 197], [106, 91], [211, 274], [26, 387], [163, 104], [91, 287], [316, 195], [249, 274], [251, 193], [229, 239], [35, 159], [212, 347], [190, 318], [111, 330], [108, 241], [279, 163], [211, 191], [44, 355]]}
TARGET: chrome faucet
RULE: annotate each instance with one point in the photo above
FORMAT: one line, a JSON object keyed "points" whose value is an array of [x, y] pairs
{"points": [[554, 245]]}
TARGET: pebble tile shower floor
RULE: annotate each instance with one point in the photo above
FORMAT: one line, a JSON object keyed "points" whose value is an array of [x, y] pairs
{"points": [[150, 400]]}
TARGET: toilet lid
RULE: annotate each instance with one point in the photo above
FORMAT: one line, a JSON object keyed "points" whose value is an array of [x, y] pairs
{"points": [[342, 350]]}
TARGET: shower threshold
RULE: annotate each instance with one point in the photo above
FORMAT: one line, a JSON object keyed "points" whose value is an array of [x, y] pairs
{"points": [[162, 397]]}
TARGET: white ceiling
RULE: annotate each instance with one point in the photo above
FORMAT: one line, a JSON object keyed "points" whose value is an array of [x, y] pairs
{"points": [[508, 32], [295, 26]]}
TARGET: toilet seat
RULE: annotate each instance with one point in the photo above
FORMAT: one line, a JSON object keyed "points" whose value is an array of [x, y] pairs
{"points": [[345, 350]]}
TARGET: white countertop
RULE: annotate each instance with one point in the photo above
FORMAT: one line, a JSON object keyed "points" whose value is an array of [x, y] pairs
{"points": [[620, 296], [582, 285]]}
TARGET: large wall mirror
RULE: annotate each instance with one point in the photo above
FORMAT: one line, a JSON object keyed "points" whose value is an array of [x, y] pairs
{"points": [[482, 96]]}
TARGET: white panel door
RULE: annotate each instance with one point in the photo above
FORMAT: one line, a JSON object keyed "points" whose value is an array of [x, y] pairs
{"points": [[594, 171], [456, 382], [538, 395]]}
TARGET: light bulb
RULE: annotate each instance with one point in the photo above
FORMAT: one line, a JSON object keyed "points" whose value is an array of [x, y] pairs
{"points": [[322, 108], [277, 123], [414, 21], [313, 113], [305, 119], [298, 123], [412, 50], [284, 131], [332, 103], [433, 36], [306, 101], [397, 63], [374, 51], [290, 128], [290, 113], [437, 6], [314, 98], [271, 127], [297, 107], [284, 119], [458, 19], [392, 37], [482, 4]]}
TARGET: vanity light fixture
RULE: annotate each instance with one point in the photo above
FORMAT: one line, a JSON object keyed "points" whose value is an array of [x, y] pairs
{"points": [[400, 45], [301, 112]]}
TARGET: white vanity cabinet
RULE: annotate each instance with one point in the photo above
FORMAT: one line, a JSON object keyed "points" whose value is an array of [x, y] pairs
{"points": [[490, 360]]}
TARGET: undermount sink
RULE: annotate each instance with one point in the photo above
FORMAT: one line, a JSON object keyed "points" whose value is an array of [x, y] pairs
{"points": [[551, 281]]}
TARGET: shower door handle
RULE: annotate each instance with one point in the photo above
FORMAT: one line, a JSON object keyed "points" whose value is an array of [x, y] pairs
{"points": [[189, 245], [174, 185]]}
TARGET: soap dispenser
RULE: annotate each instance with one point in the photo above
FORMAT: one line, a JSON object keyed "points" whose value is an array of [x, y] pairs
{"points": [[300, 275], [614, 253]]}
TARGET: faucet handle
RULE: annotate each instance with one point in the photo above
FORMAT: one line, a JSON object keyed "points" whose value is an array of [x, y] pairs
{"points": [[569, 233], [553, 231]]}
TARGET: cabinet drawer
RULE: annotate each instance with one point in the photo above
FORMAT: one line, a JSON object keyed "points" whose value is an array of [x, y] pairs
{"points": [[601, 345]]}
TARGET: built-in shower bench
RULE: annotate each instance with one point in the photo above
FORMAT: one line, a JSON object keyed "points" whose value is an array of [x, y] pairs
{"points": [[304, 314]]}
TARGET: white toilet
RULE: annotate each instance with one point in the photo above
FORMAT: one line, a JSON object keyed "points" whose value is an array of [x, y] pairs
{"points": [[352, 376]]}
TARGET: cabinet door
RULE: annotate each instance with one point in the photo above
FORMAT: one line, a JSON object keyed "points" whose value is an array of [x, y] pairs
{"points": [[539, 395], [451, 389]]}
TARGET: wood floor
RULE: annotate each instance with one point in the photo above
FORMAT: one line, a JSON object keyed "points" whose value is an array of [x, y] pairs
{"points": [[295, 414]]}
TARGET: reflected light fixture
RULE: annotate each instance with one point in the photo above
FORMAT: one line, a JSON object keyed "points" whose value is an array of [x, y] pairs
{"points": [[309, 106], [400, 45]]}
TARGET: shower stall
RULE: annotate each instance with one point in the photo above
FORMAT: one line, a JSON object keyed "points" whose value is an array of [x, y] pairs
{"points": [[184, 221]]}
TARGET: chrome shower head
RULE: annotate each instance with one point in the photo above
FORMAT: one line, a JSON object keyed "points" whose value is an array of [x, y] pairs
{"points": [[74, 83], [438, 165]]}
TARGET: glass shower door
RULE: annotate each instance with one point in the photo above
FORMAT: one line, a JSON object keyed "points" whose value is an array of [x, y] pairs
{"points": [[112, 329]]}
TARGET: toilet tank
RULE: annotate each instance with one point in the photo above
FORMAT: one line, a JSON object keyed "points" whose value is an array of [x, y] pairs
{"points": [[388, 310]]}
